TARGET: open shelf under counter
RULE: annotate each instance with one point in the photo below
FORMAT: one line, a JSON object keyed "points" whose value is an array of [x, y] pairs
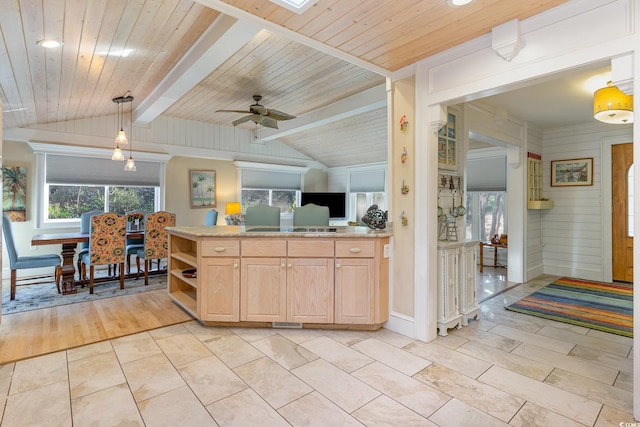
{"points": [[186, 257]]}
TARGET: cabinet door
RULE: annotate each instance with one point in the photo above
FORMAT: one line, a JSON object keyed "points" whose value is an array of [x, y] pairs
{"points": [[355, 297], [263, 290], [468, 278], [310, 290], [219, 289], [448, 285]]}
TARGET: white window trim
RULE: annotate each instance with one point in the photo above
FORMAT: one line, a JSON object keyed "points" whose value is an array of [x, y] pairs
{"points": [[41, 149]]}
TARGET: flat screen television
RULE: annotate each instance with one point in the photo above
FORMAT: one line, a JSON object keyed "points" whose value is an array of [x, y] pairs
{"points": [[335, 201]]}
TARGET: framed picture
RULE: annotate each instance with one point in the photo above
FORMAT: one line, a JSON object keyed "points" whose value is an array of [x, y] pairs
{"points": [[572, 172], [14, 192], [203, 188]]}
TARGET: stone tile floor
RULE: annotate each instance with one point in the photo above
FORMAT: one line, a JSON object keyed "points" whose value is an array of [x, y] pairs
{"points": [[503, 369]]}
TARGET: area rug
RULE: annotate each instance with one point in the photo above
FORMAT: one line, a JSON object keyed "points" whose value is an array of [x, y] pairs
{"points": [[45, 295], [606, 307]]}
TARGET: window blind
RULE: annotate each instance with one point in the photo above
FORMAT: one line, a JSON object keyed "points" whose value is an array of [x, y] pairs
{"points": [[487, 174], [368, 181], [272, 180], [61, 169]]}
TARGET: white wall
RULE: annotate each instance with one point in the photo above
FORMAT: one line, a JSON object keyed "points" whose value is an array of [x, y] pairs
{"points": [[573, 230]]}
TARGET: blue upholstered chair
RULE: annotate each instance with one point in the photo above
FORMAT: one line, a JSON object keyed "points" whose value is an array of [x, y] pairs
{"points": [[211, 218], [133, 245], [262, 215], [85, 227], [17, 262], [311, 215]]}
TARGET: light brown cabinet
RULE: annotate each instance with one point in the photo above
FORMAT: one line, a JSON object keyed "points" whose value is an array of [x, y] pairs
{"points": [[218, 268], [362, 287], [287, 281], [298, 280]]}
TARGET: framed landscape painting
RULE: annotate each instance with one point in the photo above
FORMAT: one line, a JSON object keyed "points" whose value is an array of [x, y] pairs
{"points": [[14, 192], [572, 172], [203, 188]]}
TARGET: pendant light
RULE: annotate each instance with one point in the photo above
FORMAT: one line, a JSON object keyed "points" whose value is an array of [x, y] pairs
{"points": [[130, 166], [121, 137], [611, 105]]}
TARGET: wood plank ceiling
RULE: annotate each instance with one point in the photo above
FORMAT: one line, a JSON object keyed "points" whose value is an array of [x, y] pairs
{"points": [[293, 75]]}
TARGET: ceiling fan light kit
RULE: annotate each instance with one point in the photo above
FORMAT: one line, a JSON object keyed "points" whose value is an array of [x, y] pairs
{"points": [[611, 105], [260, 115]]}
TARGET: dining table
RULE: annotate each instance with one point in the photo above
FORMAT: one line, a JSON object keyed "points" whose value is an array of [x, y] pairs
{"points": [[69, 242]]}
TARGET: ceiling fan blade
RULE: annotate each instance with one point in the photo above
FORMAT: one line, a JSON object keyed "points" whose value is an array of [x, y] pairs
{"points": [[242, 120], [279, 115], [258, 109], [233, 111], [268, 122]]}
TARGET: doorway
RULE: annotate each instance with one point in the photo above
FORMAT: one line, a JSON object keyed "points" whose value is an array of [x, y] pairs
{"points": [[622, 172]]}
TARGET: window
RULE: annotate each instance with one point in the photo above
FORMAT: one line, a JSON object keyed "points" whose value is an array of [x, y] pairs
{"points": [[68, 202], [367, 187], [73, 184], [286, 200], [273, 185], [360, 202], [486, 215]]}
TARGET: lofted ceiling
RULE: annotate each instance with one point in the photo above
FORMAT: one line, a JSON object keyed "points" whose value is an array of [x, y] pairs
{"points": [[186, 59]]}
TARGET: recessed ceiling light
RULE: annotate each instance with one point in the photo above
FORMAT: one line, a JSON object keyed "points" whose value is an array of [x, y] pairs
{"points": [[49, 44], [458, 3], [116, 52], [297, 6]]}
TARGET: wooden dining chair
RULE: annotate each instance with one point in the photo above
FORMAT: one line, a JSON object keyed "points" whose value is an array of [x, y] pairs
{"points": [[106, 245], [156, 241], [17, 262]]}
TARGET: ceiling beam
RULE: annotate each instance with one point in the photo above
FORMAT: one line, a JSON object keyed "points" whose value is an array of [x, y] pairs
{"points": [[368, 100], [221, 40], [223, 7]]}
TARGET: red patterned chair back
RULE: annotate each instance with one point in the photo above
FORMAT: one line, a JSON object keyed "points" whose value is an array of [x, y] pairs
{"points": [[156, 238], [106, 241]]}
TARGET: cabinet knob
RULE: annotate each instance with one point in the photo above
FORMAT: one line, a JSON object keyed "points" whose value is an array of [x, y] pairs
{"points": [[355, 250], [289, 265], [220, 249], [282, 265], [235, 265], [338, 265]]}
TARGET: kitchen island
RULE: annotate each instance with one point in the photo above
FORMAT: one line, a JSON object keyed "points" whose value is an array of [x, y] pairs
{"points": [[330, 277]]}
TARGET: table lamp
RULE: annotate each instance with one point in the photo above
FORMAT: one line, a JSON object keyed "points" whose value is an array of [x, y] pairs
{"points": [[232, 208]]}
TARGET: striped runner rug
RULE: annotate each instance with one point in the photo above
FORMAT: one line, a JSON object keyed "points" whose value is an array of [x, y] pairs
{"points": [[606, 307]]}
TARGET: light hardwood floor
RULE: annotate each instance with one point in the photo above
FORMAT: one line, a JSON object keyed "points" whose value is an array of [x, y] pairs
{"points": [[37, 332]]}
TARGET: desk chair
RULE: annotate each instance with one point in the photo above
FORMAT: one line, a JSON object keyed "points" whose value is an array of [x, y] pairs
{"points": [[17, 262], [311, 215], [85, 227], [262, 215], [156, 241], [106, 245], [211, 218]]}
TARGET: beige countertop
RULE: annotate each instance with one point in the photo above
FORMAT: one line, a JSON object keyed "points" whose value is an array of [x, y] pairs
{"points": [[262, 231]]}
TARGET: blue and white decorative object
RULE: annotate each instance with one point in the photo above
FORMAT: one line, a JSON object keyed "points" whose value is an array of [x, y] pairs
{"points": [[375, 218]]}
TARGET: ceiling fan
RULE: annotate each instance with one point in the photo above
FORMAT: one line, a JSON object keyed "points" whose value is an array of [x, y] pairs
{"points": [[260, 115]]}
